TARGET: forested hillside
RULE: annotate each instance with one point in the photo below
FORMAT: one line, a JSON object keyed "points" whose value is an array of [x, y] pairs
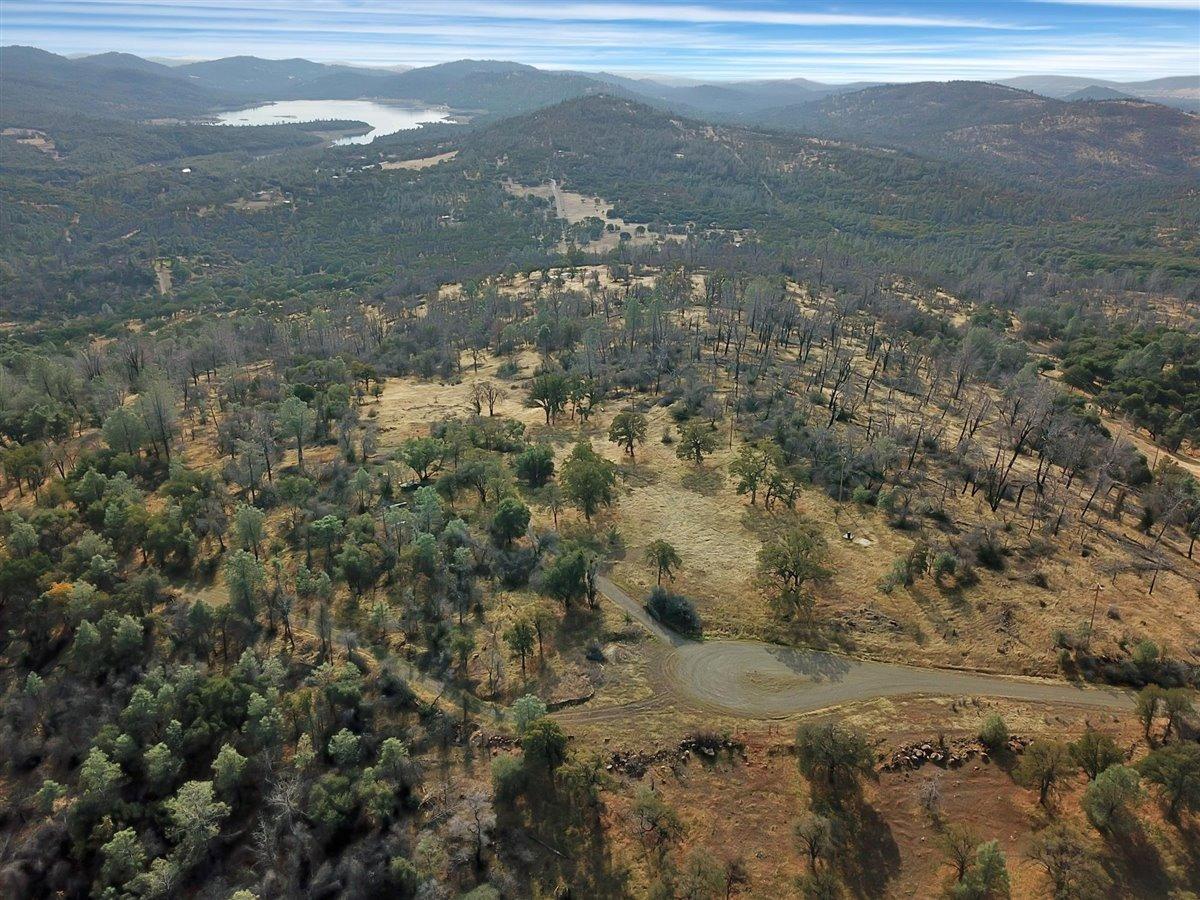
{"points": [[1010, 130]]}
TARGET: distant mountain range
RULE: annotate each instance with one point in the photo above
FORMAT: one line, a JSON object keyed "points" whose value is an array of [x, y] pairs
{"points": [[124, 85], [1091, 129], [1019, 131], [1180, 91]]}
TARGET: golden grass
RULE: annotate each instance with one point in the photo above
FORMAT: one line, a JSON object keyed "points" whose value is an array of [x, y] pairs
{"points": [[413, 165]]}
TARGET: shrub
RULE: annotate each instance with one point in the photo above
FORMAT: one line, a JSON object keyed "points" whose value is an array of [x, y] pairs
{"points": [[944, 564], [899, 576], [994, 732], [675, 611], [535, 466], [863, 496], [988, 550]]}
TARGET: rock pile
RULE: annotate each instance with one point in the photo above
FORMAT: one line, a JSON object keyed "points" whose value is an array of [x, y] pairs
{"points": [[636, 763], [950, 754]]}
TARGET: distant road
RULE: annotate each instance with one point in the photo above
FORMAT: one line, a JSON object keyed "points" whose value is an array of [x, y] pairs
{"points": [[757, 680]]}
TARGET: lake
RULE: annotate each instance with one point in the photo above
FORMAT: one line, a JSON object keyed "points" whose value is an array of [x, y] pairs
{"points": [[382, 117]]}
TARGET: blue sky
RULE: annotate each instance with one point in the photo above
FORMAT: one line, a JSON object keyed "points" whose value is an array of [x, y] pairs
{"points": [[717, 39]]}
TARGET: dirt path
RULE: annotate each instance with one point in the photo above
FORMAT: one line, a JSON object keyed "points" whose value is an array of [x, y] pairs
{"points": [[560, 208], [757, 680]]}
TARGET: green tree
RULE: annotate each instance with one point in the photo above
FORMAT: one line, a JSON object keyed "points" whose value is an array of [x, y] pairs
{"points": [[520, 639], [510, 521], [295, 422], [99, 779], [1174, 770], [958, 843], [789, 562], [1074, 871], [837, 757], [749, 467], [1108, 798], [162, 766], [626, 429], [1147, 708], [544, 745], [814, 837], [994, 733], [549, 393], [1094, 752], [1043, 767], [124, 858], [696, 440], [664, 558], [325, 531], [656, 825], [48, 795], [424, 456], [124, 431], [701, 876], [535, 466], [565, 579], [987, 876], [194, 816], [344, 748], [245, 578], [526, 711], [362, 486], [1177, 704], [249, 528], [227, 770], [360, 562], [588, 480], [822, 884]]}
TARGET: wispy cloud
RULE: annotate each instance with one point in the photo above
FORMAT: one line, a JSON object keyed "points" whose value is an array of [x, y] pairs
{"points": [[823, 39], [1173, 5]]}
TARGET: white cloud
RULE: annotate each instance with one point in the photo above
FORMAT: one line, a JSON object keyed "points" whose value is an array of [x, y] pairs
{"points": [[1176, 5], [701, 41]]}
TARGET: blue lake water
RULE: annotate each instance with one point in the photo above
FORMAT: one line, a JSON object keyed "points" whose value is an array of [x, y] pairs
{"points": [[383, 118]]}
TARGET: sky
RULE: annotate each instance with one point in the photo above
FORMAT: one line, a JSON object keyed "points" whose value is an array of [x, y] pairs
{"points": [[903, 40]]}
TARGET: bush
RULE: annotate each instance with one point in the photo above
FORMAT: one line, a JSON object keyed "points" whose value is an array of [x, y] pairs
{"points": [[675, 611], [535, 466], [863, 496], [944, 564], [988, 550], [994, 732], [899, 576]]}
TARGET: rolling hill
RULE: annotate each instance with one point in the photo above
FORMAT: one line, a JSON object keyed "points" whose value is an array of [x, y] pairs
{"points": [[1098, 92], [732, 100], [271, 79], [1015, 131], [38, 85], [1179, 91], [486, 87]]}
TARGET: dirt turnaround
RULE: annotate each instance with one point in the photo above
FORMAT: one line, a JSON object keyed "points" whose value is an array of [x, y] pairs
{"points": [[764, 681]]}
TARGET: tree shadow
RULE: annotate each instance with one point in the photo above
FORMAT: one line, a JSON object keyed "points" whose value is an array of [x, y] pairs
{"points": [[706, 482], [558, 846], [868, 856], [813, 664], [1136, 865]]}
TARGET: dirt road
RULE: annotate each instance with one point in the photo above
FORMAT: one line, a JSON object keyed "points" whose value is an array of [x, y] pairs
{"points": [[759, 680]]}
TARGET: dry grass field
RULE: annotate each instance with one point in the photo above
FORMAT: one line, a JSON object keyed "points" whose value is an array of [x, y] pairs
{"points": [[1007, 622], [415, 165]]}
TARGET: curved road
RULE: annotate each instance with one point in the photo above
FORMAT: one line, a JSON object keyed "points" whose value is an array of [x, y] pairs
{"points": [[758, 680]]}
